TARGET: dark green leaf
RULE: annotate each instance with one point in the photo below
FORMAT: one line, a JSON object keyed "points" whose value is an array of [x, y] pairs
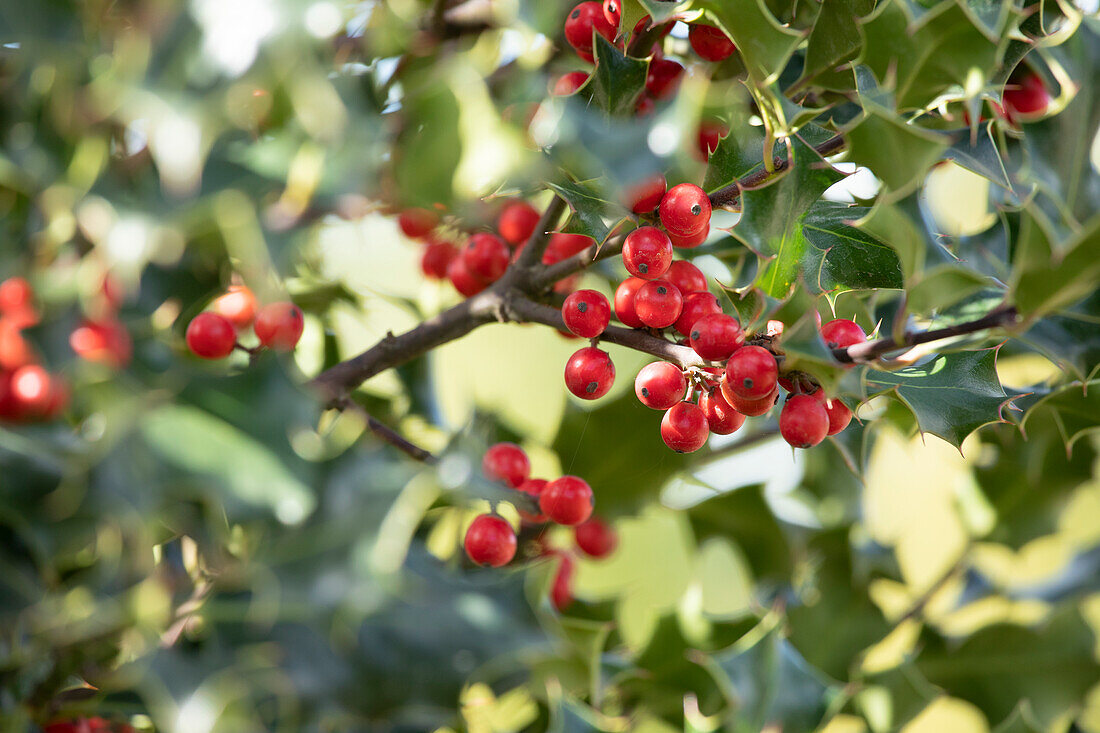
{"points": [[593, 215], [763, 43], [1074, 409], [840, 257], [617, 81], [897, 153], [835, 37]]}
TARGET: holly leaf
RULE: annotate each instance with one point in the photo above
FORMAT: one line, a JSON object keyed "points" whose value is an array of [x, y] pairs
{"points": [[838, 256], [662, 10], [951, 396], [765, 45], [804, 350], [1048, 278], [772, 216], [943, 286], [897, 153], [982, 156], [835, 37], [737, 155], [1070, 338], [1074, 409], [617, 81], [592, 214]]}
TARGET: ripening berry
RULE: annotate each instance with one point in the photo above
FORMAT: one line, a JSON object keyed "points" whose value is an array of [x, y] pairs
{"points": [[685, 210], [561, 592], [16, 294], [106, 342], [568, 84], [657, 303], [716, 336], [710, 43], [506, 462], [15, 351], [596, 538], [686, 276], [722, 417], [464, 281], [211, 336], [486, 256], [696, 305], [579, 25], [589, 373], [663, 78], [644, 197], [749, 408], [842, 333], [237, 304], [660, 385], [586, 313], [803, 421], [613, 13], [31, 388], [568, 500], [532, 487], [684, 427], [647, 253], [1025, 95], [490, 541], [564, 245], [710, 134], [416, 223], [437, 258], [278, 326], [752, 372], [624, 302], [838, 412], [517, 222]]}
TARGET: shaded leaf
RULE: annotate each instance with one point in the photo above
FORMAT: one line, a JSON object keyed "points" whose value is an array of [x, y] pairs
{"points": [[762, 42], [897, 153], [593, 215], [617, 81]]}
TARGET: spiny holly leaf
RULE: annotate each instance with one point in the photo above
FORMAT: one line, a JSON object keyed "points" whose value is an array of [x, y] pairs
{"points": [[593, 215], [1074, 409], [764, 44], [1048, 279], [897, 153], [617, 81], [1070, 338], [835, 37], [951, 396], [771, 218], [662, 10], [752, 306], [981, 156], [1021, 721], [738, 154], [805, 350], [989, 16], [943, 286], [839, 256]]}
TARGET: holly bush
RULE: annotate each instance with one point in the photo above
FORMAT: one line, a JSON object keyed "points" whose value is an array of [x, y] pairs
{"points": [[289, 290]]}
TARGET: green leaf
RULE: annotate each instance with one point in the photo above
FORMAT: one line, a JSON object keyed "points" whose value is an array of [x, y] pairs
{"points": [[738, 154], [593, 214], [194, 440], [1074, 409], [1070, 338], [951, 396], [943, 286], [982, 156], [764, 44], [1046, 279], [662, 10], [1021, 721], [897, 153], [617, 81], [743, 515], [805, 350], [772, 215], [429, 148], [835, 37], [839, 256]]}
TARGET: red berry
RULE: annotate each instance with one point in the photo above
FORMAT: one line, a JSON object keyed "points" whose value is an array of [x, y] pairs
{"points": [[579, 25], [15, 351], [716, 336], [16, 294], [595, 538], [238, 305], [533, 487], [613, 13], [464, 281], [490, 541], [561, 592], [1025, 94], [658, 303], [752, 372], [644, 197], [624, 302], [710, 134], [647, 253], [722, 417], [106, 342], [568, 84], [684, 427], [842, 333], [211, 336], [568, 500], [686, 276], [749, 408], [486, 256], [663, 78], [586, 313], [31, 388], [563, 245], [660, 385], [437, 258], [838, 412], [685, 210], [803, 421], [690, 241], [710, 42], [645, 106], [589, 373], [506, 462], [696, 305], [417, 223], [279, 326], [517, 222]]}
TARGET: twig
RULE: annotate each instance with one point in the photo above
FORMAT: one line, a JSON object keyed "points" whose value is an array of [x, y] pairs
{"points": [[551, 274], [869, 350], [729, 195], [385, 432]]}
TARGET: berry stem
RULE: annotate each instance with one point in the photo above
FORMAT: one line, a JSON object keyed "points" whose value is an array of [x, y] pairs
{"points": [[870, 350], [385, 432]]}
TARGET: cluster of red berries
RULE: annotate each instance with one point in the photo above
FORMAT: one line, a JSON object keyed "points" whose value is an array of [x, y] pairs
{"points": [[102, 337], [485, 256], [212, 334], [87, 725], [28, 392], [568, 501]]}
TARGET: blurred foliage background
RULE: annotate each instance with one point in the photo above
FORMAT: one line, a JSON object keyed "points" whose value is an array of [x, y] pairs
{"points": [[196, 547]]}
